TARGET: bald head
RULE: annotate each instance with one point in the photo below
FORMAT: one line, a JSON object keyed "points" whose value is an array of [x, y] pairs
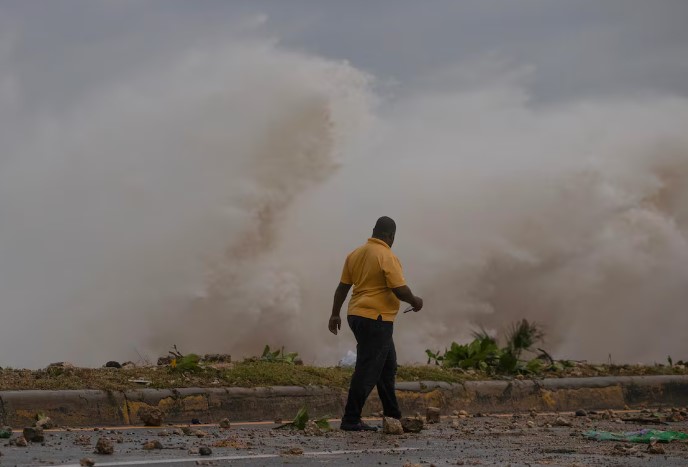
{"points": [[385, 229]]}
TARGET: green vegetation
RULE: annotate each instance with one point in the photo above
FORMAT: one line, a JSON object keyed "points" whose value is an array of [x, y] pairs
{"points": [[485, 355], [301, 420]]}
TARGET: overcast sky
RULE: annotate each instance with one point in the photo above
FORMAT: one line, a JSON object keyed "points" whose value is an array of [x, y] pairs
{"points": [[573, 48]]}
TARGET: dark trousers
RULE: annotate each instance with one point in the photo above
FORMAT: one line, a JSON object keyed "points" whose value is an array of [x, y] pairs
{"points": [[376, 365]]}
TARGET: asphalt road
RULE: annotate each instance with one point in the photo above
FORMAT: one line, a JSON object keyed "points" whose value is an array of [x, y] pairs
{"points": [[493, 440]]}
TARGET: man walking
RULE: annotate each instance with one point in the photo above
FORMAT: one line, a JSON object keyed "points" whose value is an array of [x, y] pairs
{"points": [[379, 285]]}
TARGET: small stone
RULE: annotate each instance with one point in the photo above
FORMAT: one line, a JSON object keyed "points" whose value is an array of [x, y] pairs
{"points": [[581, 413], [531, 424], [151, 445], [195, 421], [312, 429], [225, 423], [187, 430], [295, 451], [34, 434], [455, 424], [463, 413], [82, 440], [561, 421], [432, 415], [200, 434], [177, 432], [150, 416], [21, 442], [392, 426], [113, 364], [655, 449], [163, 433], [278, 420], [104, 446], [45, 423], [87, 462], [205, 451], [412, 424], [5, 432], [455, 413]]}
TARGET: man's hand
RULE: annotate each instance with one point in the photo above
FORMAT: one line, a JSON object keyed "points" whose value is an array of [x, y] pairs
{"points": [[335, 324], [418, 305]]}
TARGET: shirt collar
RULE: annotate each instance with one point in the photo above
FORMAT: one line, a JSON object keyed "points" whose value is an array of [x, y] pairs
{"points": [[377, 240]]}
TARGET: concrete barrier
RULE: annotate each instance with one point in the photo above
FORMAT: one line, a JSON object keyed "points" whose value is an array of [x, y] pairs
{"points": [[97, 408]]}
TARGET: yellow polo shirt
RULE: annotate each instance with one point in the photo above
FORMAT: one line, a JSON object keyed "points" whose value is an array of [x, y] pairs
{"points": [[374, 271]]}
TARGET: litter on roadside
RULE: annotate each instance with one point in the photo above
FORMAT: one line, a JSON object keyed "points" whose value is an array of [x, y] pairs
{"points": [[641, 436]]}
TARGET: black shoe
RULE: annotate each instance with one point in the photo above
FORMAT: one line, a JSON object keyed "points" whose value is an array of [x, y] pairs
{"points": [[360, 426]]}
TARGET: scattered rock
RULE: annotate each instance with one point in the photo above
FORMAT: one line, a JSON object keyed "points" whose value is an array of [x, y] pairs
{"points": [[205, 451], [82, 440], [21, 442], [295, 451], [312, 429], [463, 414], [200, 434], [225, 424], [150, 416], [432, 415], [113, 364], [655, 448], [128, 365], [581, 413], [151, 445], [104, 446], [195, 421], [412, 424], [187, 430], [561, 421], [5, 432], [163, 433], [455, 424], [34, 434], [87, 462], [392, 426], [45, 423], [278, 420], [177, 432], [531, 424]]}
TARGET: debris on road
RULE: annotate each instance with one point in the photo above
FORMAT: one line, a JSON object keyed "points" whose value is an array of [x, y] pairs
{"points": [[225, 424], [205, 451], [104, 446], [82, 440], [87, 462], [34, 434], [150, 416], [412, 424], [561, 421], [432, 415], [641, 436], [655, 448], [113, 364], [152, 445], [5, 432], [295, 451], [20, 442], [200, 434], [392, 426], [312, 429], [581, 413]]}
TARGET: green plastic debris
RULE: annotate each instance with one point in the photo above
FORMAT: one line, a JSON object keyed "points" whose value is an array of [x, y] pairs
{"points": [[642, 436], [5, 432]]}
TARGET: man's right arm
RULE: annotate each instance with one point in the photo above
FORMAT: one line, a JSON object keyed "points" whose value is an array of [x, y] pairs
{"points": [[404, 294]]}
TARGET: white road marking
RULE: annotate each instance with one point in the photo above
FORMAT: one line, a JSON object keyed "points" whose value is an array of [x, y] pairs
{"points": [[180, 460]]}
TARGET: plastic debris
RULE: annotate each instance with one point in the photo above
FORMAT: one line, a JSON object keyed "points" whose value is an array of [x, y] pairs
{"points": [[641, 436]]}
